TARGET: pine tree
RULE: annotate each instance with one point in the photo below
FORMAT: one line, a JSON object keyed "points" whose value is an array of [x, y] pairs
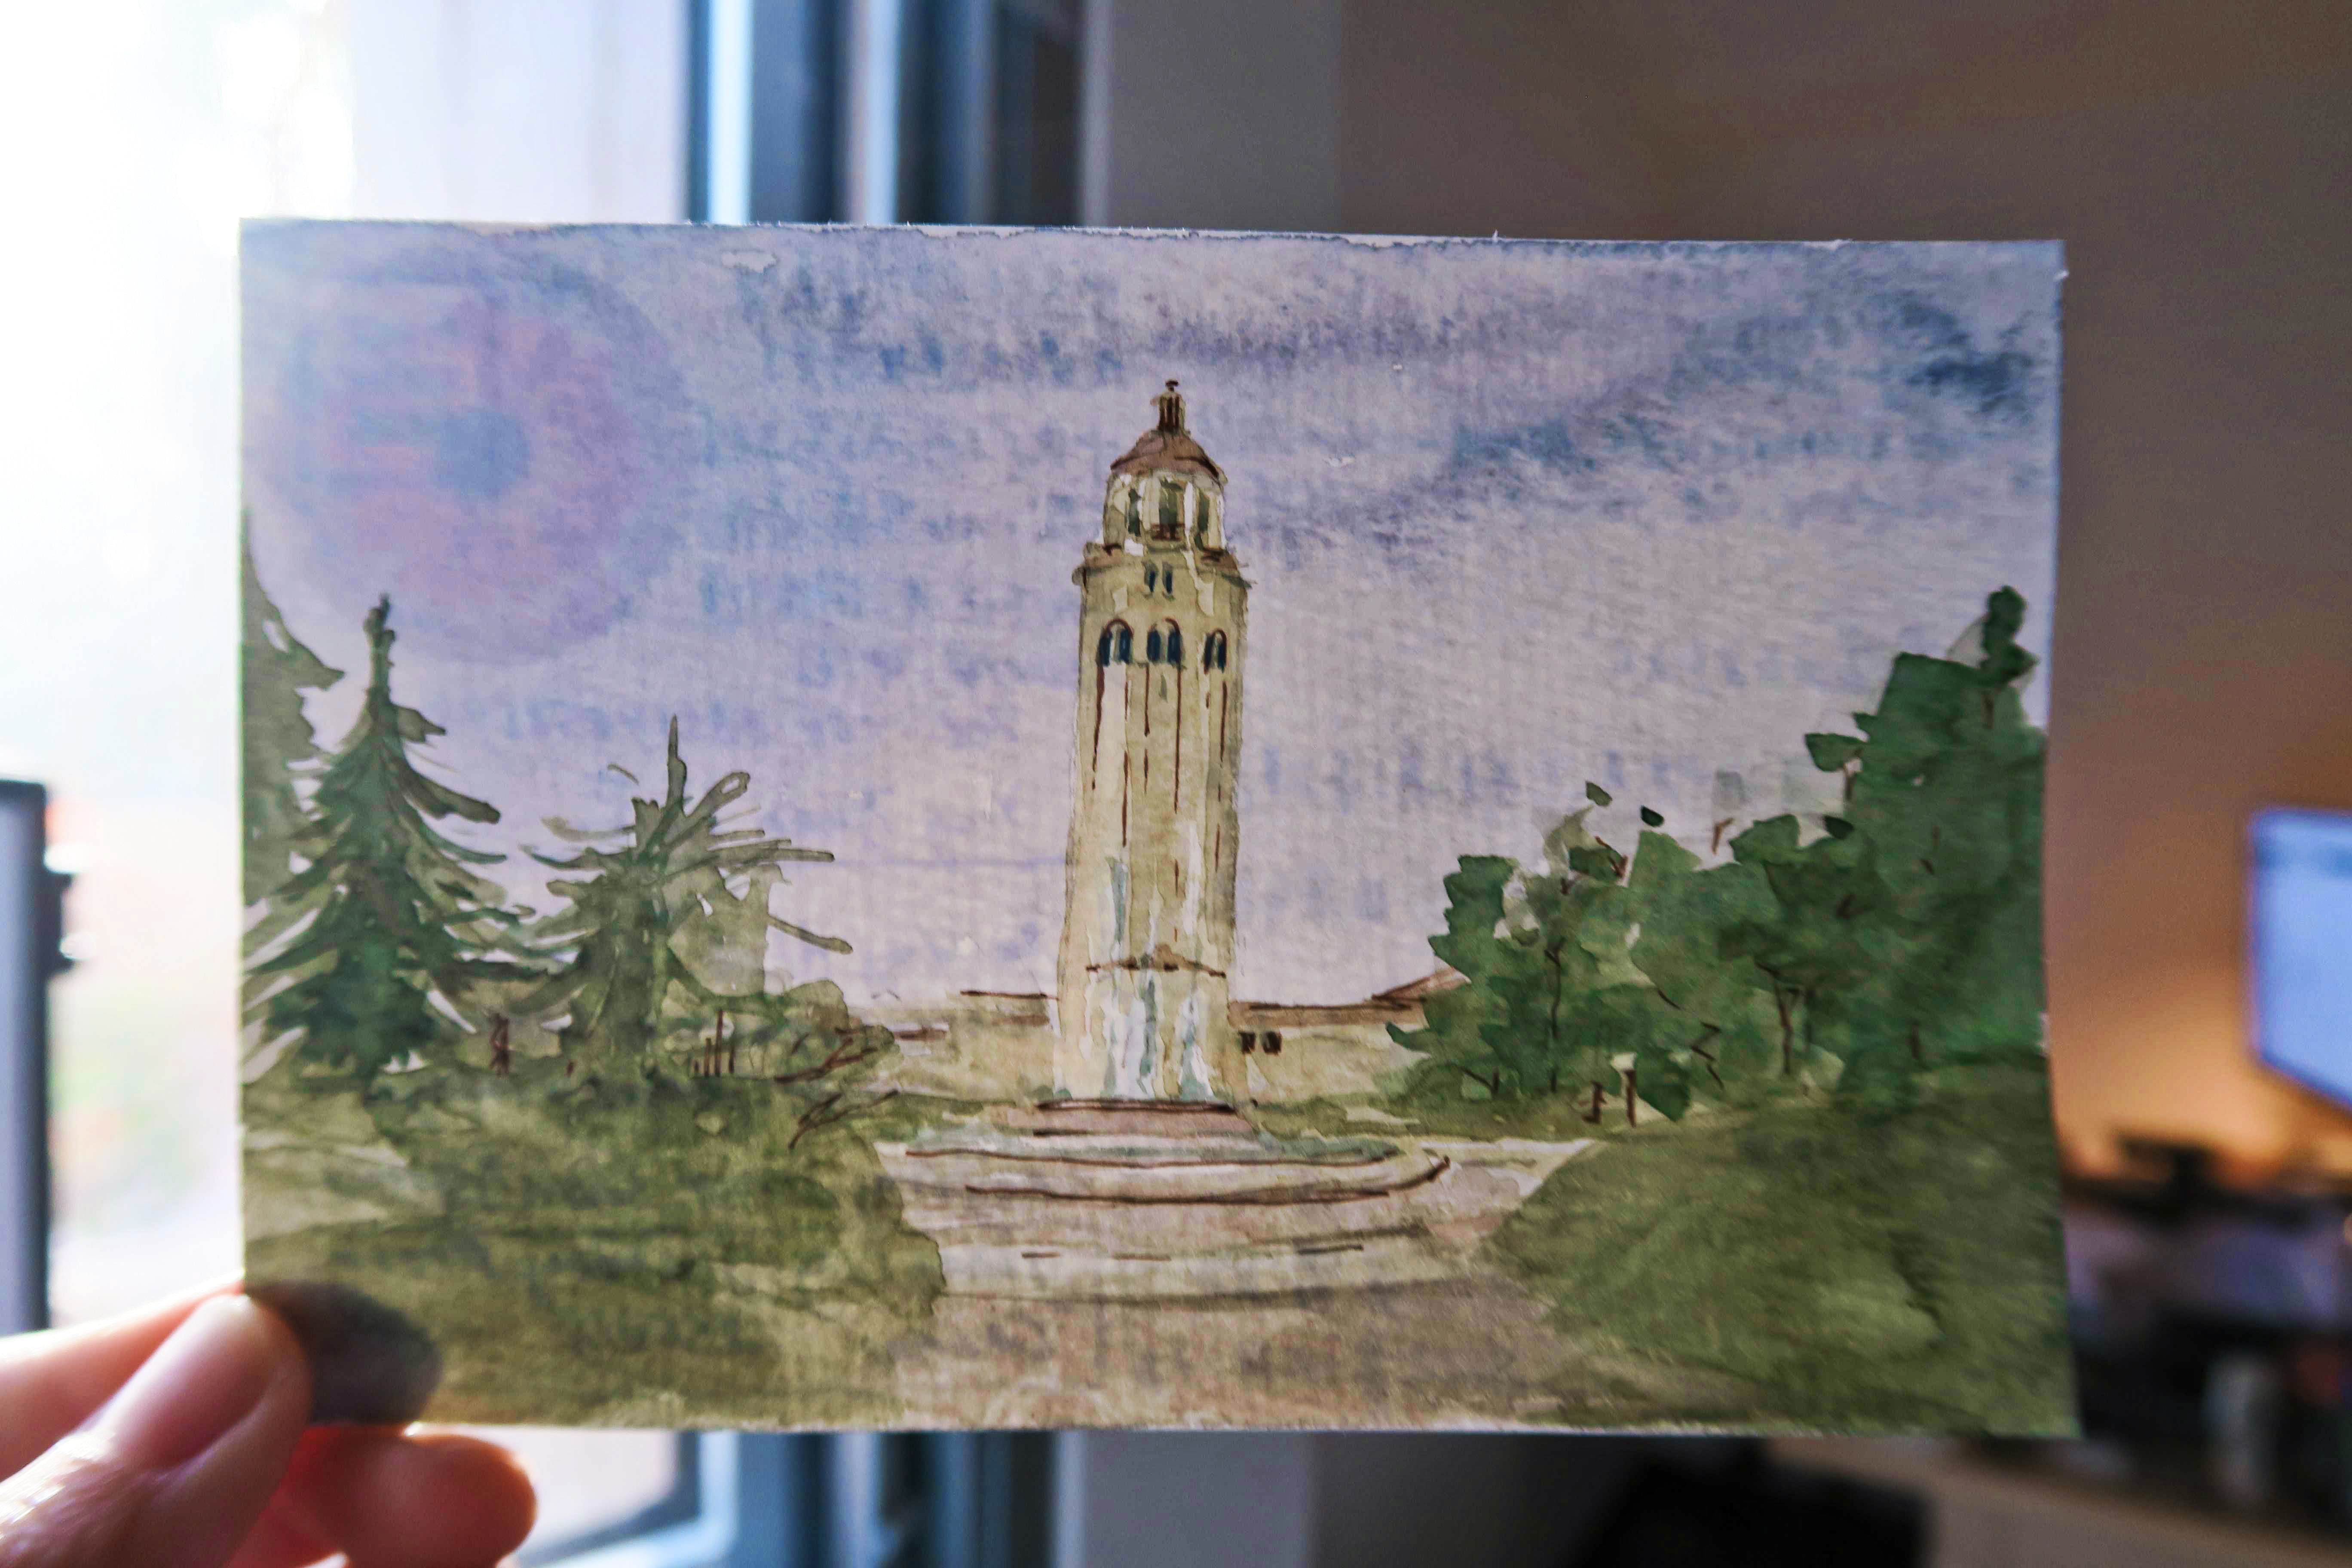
{"points": [[654, 902], [404, 925], [281, 749]]}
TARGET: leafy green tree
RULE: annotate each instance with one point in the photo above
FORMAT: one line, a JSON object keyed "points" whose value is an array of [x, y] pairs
{"points": [[666, 913], [1572, 1000], [1829, 933], [281, 749], [1718, 1012], [1551, 1001], [1455, 1022], [403, 926], [1907, 936], [1945, 785]]}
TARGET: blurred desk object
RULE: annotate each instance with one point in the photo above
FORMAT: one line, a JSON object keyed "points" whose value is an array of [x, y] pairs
{"points": [[2213, 1328], [1990, 1513]]}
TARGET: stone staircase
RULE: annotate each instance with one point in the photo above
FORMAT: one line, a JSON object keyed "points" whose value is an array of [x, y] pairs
{"points": [[1126, 1199]]}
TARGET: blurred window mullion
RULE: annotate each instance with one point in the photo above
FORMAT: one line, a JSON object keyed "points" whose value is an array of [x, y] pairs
{"points": [[956, 111]]}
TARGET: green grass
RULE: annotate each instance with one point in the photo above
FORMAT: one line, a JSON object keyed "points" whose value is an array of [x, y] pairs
{"points": [[663, 1254], [658, 1256], [1899, 1273]]}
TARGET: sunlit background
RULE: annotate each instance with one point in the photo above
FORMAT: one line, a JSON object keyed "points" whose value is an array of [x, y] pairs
{"points": [[142, 132]]}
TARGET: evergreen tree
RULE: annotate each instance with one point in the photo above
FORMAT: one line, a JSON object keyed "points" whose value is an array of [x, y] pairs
{"points": [[652, 903], [404, 925], [281, 749]]}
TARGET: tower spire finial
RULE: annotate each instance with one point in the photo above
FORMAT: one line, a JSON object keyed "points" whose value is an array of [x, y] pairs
{"points": [[1170, 404]]}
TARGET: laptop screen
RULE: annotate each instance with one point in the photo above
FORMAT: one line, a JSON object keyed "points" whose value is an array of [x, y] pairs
{"points": [[2301, 929]]}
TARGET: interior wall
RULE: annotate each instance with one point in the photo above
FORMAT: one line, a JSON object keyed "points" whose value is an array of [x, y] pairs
{"points": [[2193, 159], [1212, 114]]}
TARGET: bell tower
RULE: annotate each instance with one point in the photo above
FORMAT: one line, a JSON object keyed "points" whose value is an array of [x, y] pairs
{"points": [[1148, 927]]}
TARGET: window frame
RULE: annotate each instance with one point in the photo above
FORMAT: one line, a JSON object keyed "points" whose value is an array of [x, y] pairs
{"points": [[31, 954]]}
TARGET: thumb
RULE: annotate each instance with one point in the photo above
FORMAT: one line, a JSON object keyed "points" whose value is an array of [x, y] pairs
{"points": [[176, 1467]]}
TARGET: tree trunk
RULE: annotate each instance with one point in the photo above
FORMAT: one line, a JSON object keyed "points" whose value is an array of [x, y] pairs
{"points": [[1551, 1027], [1633, 1097], [1594, 1115]]}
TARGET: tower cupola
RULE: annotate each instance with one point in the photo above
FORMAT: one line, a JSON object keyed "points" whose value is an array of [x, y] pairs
{"points": [[1166, 491]]}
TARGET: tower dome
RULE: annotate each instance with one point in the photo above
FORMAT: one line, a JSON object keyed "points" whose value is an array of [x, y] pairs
{"points": [[1166, 491], [1168, 447]]}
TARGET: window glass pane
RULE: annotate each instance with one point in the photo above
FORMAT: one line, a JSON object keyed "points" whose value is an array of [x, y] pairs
{"points": [[143, 129], [160, 121]]}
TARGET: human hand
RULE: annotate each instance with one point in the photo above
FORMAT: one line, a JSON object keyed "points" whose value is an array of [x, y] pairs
{"points": [[175, 1438]]}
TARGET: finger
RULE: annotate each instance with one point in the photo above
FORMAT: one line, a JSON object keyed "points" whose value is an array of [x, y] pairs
{"points": [[390, 1500], [278, 1541], [49, 1382], [177, 1466]]}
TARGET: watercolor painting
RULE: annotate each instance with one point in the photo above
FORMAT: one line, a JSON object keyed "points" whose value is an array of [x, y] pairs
{"points": [[767, 906]]}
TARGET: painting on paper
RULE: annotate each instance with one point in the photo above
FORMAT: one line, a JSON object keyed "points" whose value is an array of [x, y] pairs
{"points": [[920, 828]]}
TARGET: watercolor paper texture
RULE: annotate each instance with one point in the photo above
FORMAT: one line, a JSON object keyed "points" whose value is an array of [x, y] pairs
{"points": [[768, 905]]}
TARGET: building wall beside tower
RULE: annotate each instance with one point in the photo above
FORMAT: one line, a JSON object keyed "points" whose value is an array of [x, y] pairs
{"points": [[1148, 932]]}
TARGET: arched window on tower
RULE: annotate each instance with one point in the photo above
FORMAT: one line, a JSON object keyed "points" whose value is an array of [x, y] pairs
{"points": [[1172, 509], [1175, 644], [1151, 579], [1151, 645], [1116, 646], [1213, 651], [1134, 509]]}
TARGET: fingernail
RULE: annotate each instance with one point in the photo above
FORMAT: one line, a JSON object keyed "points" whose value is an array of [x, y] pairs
{"points": [[204, 1380], [370, 1363]]}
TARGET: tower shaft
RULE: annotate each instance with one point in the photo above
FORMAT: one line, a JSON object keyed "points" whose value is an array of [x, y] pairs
{"points": [[1147, 928]]}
